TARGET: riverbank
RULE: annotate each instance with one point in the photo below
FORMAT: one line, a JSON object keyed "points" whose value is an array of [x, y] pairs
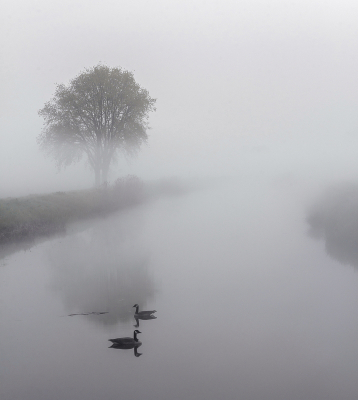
{"points": [[26, 218], [334, 219], [38, 215]]}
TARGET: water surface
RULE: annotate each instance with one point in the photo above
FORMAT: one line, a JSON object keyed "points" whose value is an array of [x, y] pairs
{"points": [[248, 305]]}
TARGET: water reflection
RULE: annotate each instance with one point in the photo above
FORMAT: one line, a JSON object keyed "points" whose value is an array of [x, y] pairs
{"points": [[334, 218], [135, 348], [148, 317], [89, 313], [102, 271], [25, 244]]}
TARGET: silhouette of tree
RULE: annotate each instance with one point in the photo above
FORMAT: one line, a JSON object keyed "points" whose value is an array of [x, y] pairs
{"points": [[101, 113]]}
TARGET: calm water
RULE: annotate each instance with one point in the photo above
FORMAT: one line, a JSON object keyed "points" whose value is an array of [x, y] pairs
{"points": [[248, 306]]}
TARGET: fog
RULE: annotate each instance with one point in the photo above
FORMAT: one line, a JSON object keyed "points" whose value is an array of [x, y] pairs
{"points": [[251, 268], [256, 86]]}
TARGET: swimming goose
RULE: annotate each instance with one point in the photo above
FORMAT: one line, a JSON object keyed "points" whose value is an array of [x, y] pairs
{"points": [[143, 314], [127, 342]]}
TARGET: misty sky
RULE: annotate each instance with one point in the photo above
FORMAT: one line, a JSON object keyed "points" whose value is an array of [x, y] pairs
{"points": [[240, 86]]}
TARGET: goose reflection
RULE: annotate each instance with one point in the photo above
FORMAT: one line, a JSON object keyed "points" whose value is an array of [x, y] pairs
{"points": [[143, 315], [135, 348], [126, 343]]}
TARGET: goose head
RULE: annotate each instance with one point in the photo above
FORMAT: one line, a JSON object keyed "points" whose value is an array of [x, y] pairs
{"points": [[135, 335]]}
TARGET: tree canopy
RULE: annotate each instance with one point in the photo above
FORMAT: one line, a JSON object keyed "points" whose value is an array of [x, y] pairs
{"points": [[100, 113]]}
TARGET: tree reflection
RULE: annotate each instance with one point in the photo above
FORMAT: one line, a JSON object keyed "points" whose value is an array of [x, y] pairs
{"points": [[334, 218], [103, 270]]}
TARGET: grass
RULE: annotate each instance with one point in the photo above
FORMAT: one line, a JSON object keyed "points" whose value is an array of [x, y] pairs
{"points": [[334, 218], [36, 215]]}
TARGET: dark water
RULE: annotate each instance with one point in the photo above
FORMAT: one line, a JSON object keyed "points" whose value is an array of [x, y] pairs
{"points": [[248, 305]]}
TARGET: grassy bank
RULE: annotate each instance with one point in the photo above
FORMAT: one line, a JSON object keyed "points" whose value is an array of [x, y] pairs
{"points": [[36, 215], [334, 219]]}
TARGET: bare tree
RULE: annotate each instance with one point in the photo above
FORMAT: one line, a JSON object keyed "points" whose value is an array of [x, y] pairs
{"points": [[102, 112]]}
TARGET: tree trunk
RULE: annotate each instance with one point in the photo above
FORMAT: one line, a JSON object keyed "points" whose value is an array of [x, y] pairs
{"points": [[97, 176], [106, 162], [105, 170]]}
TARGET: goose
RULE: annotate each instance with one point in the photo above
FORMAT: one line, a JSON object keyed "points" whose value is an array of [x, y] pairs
{"points": [[143, 314], [126, 342]]}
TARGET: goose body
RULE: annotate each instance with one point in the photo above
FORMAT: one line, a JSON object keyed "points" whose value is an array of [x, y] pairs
{"points": [[143, 317], [127, 342], [143, 314]]}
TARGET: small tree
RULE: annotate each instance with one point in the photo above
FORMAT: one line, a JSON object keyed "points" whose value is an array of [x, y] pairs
{"points": [[102, 112]]}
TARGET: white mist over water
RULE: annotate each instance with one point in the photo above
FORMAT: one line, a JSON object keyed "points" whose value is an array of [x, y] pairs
{"points": [[248, 306]]}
